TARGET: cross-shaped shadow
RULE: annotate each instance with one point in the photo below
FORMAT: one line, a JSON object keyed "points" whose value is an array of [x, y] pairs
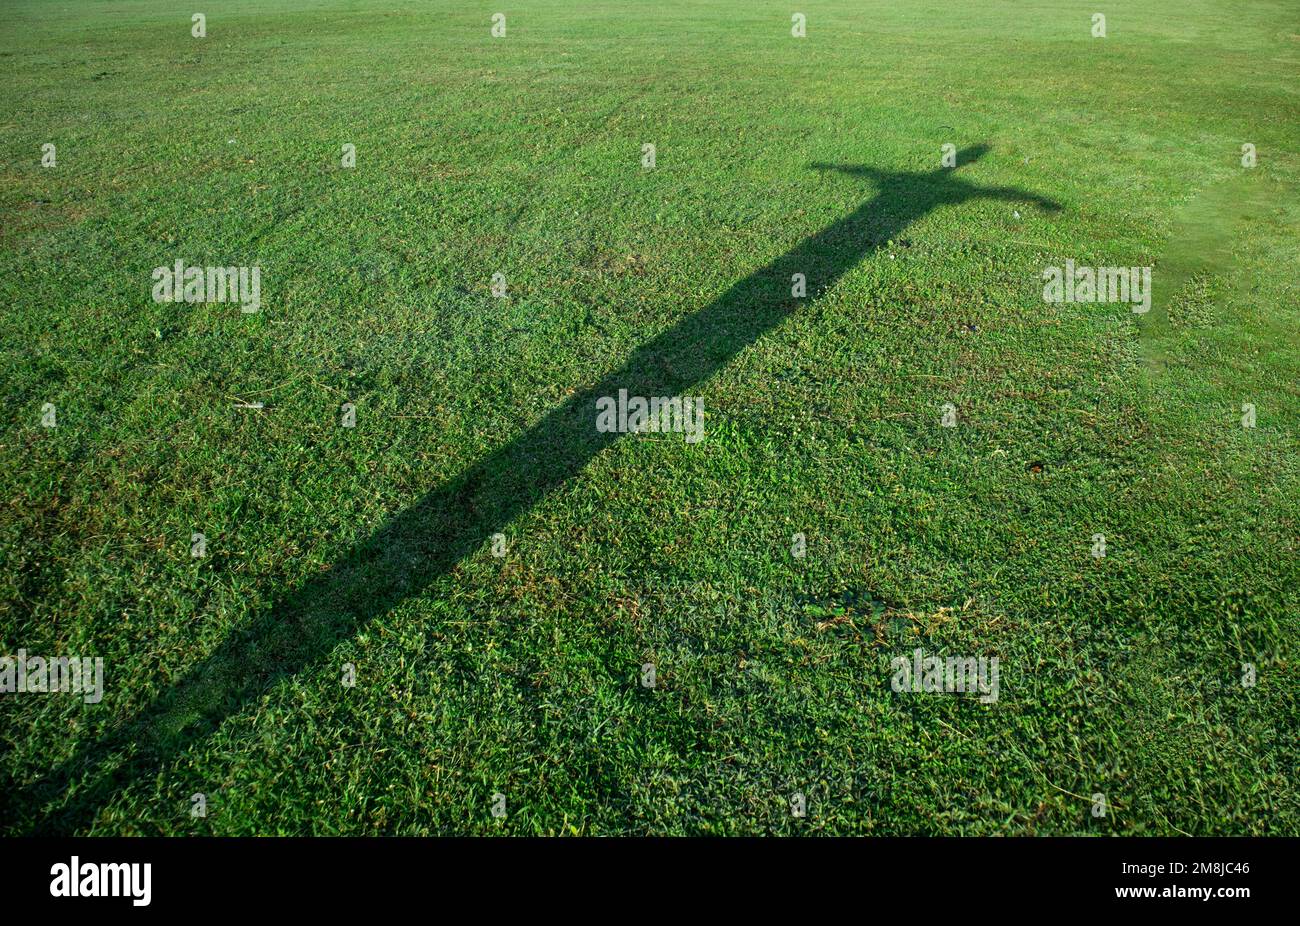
{"points": [[947, 189], [423, 542]]}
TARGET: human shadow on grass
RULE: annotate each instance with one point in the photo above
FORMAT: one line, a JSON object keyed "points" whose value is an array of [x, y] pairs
{"points": [[429, 538]]}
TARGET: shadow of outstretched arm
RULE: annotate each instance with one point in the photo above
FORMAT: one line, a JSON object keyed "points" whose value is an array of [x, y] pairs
{"points": [[1011, 194]]}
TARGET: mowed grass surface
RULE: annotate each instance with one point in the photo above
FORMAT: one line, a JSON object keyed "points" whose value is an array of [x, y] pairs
{"points": [[521, 675]]}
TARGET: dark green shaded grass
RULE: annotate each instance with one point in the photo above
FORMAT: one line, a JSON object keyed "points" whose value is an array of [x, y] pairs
{"points": [[521, 675]]}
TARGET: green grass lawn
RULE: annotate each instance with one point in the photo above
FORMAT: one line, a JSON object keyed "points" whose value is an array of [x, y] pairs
{"points": [[521, 674]]}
